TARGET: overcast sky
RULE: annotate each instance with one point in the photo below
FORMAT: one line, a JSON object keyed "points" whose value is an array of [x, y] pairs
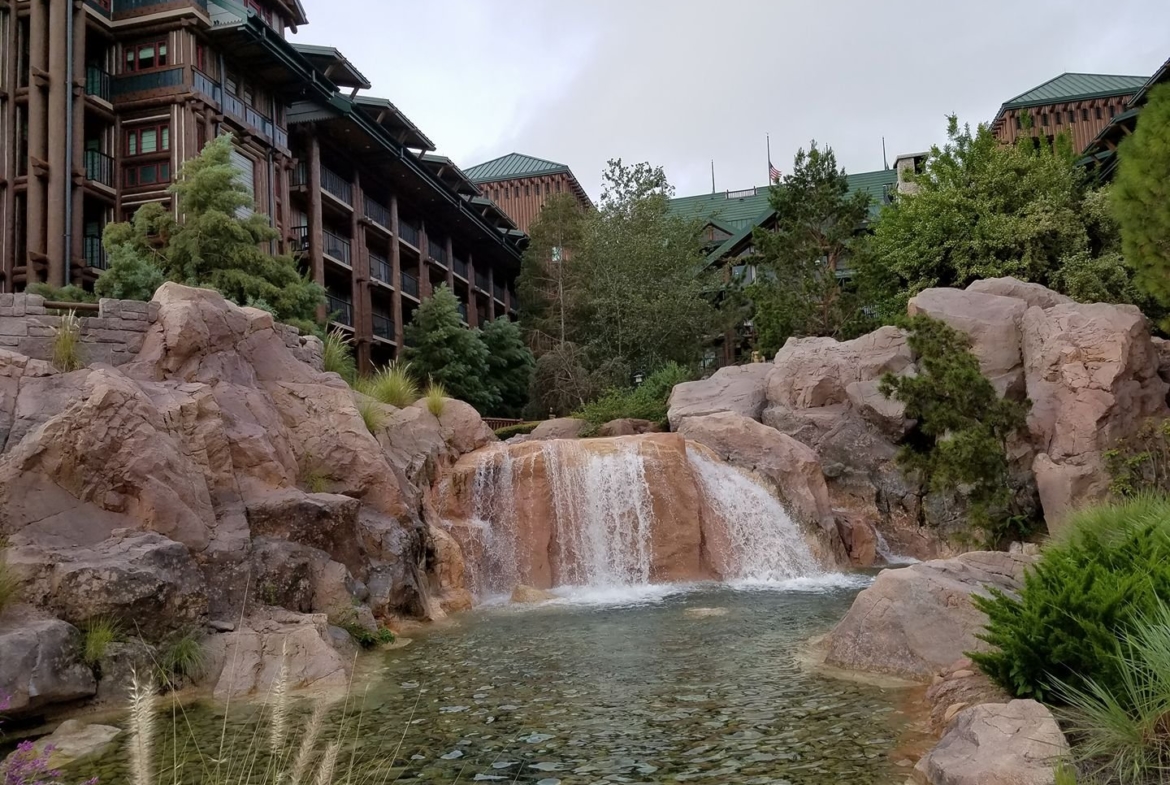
{"points": [[681, 82]]}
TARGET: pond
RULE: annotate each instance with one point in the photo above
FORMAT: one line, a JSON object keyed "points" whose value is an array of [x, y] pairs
{"points": [[664, 684]]}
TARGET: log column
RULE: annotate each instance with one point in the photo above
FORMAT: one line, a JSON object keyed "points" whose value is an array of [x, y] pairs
{"points": [[472, 301], [491, 295], [424, 262], [77, 91], [363, 322], [316, 227], [396, 277], [38, 135], [59, 106]]}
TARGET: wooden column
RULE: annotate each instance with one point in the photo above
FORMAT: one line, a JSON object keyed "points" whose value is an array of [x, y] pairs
{"points": [[507, 300], [491, 295], [316, 225], [59, 107], [472, 302], [396, 276], [77, 106], [363, 322], [424, 264], [450, 265], [8, 50], [38, 135]]}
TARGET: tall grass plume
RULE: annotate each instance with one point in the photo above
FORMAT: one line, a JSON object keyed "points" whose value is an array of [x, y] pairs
{"points": [[436, 398], [141, 729], [67, 343], [392, 385], [338, 355]]}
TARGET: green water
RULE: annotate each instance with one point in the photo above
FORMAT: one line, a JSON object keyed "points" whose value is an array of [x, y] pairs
{"points": [[656, 692]]}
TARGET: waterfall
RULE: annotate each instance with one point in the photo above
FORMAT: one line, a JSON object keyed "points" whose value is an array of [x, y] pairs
{"points": [[765, 543], [494, 569], [883, 550], [604, 514]]}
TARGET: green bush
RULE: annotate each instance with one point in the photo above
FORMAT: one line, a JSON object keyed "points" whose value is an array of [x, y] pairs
{"points": [[98, 634], [508, 431], [338, 356], [393, 385], [1088, 589], [63, 294], [182, 656], [1140, 463], [647, 401]]}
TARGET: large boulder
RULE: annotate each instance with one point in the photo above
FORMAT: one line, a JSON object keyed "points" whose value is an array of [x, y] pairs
{"points": [[1017, 742], [914, 622], [300, 578], [991, 322], [74, 740], [1033, 294], [815, 372], [962, 685], [1092, 377], [559, 428], [326, 521], [41, 664], [627, 426], [735, 388]]}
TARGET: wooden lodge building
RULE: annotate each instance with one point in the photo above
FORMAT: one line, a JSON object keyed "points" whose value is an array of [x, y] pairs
{"points": [[521, 184], [1100, 157], [101, 101], [1081, 105]]}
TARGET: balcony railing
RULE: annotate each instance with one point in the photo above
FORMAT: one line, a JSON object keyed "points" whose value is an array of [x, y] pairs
{"points": [[337, 185], [380, 270], [336, 247], [125, 6], [410, 285], [340, 310], [463, 312], [301, 233], [99, 168], [461, 268], [101, 6], [93, 251], [498, 291], [153, 80], [300, 173], [408, 232], [258, 121], [280, 137], [481, 281], [377, 213], [438, 252], [206, 85], [98, 83], [234, 106], [383, 326]]}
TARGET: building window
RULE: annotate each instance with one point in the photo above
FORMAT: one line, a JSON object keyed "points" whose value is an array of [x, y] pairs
{"points": [[528, 190], [146, 174], [148, 139], [1044, 118], [1019, 123], [145, 56], [516, 192], [1072, 117], [558, 186], [1056, 117], [1085, 113]]}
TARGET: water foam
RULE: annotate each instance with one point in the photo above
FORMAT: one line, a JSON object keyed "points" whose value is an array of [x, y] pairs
{"points": [[891, 558]]}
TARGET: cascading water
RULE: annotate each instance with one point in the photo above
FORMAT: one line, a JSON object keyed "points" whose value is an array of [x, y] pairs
{"points": [[883, 550], [492, 528], [766, 545]]}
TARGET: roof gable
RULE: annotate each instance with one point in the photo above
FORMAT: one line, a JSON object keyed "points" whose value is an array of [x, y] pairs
{"points": [[1074, 87], [511, 166]]}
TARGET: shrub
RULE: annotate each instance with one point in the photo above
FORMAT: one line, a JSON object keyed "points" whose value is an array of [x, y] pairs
{"points": [[67, 344], [183, 657], [1110, 569], [61, 294], [508, 431], [338, 356], [646, 401], [372, 414], [392, 385], [442, 349], [98, 634], [1140, 463], [436, 396]]}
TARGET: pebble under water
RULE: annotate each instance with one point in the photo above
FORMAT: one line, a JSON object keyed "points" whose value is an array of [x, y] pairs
{"points": [[702, 685]]}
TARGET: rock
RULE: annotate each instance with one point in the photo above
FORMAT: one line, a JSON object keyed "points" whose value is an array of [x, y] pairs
{"points": [[886, 414], [814, 372], [1162, 348], [560, 428], [299, 578], [1017, 742], [915, 621], [41, 665], [1092, 377], [462, 428], [248, 660], [733, 388], [527, 595], [121, 661], [859, 538], [992, 322], [627, 427], [221, 626], [74, 740], [957, 690], [325, 521], [1031, 293]]}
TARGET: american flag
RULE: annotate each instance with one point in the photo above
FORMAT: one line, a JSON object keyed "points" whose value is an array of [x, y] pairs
{"points": [[773, 172]]}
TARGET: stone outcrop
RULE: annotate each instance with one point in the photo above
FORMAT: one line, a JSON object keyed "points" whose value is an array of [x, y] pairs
{"points": [[559, 428], [736, 388], [1017, 742], [914, 622], [627, 426], [41, 665], [1033, 294], [74, 740]]}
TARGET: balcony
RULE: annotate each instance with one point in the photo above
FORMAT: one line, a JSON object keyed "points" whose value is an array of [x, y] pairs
{"points": [[461, 268], [383, 327], [408, 232], [335, 184], [463, 312], [336, 247], [280, 137], [101, 6], [146, 82], [206, 85], [301, 233], [340, 310], [258, 121], [410, 285], [377, 213], [300, 174], [380, 269], [142, 7], [93, 252], [99, 168], [498, 291], [234, 106], [481, 281], [98, 83], [437, 252]]}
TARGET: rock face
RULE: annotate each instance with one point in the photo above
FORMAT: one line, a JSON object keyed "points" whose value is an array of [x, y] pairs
{"points": [[961, 686], [914, 622], [560, 428], [1017, 742], [736, 388], [41, 664], [627, 427], [74, 740]]}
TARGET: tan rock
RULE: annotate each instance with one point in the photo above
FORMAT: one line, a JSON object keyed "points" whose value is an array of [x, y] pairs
{"points": [[560, 428], [74, 740], [814, 372], [41, 664], [1017, 742], [527, 595], [955, 692], [886, 414], [627, 427], [735, 388], [860, 539], [326, 521], [1030, 293], [915, 621]]}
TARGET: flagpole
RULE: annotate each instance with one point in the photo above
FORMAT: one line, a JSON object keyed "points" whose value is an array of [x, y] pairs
{"points": [[768, 137], [712, 175]]}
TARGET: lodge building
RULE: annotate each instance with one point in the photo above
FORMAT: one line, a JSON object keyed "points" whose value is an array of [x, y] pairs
{"points": [[101, 101], [1081, 105], [521, 184]]}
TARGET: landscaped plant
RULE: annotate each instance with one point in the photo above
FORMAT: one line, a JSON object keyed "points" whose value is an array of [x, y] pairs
{"points": [[338, 356], [1089, 588], [393, 385], [510, 365], [1140, 463], [440, 348], [371, 413], [67, 344], [508, 431], [182, 657], [646, 401], [69, 293], [98, 634], [26, 765], [436, 398]]}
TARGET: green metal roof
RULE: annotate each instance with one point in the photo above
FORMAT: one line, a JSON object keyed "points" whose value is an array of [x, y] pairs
{"points": [[513, 165], [1076, 87]]}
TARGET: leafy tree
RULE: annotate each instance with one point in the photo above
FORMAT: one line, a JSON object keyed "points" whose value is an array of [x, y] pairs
{"points": [[817, 230], [130, 276], [646, 401], [548, 276], [510, 365], [566, 378], [218, 244], [1141, 195], [961, 439], [440, 349], [982, 209], [643, 297]]}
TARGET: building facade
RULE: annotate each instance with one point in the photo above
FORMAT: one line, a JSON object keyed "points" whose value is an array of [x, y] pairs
{"points": [[1081, 105], [1100, 157], [101, 101], [521, 184]]}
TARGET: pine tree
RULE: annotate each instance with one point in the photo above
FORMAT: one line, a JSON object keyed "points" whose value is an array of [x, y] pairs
{"points": [[1141, 195], [442, 350], [510, 365]]}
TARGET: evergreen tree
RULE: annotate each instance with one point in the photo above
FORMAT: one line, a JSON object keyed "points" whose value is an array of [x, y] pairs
{"points": [[818, 228], [219, 244], [510, 365], [440, 349], [1141, 195], [548, 276]]}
